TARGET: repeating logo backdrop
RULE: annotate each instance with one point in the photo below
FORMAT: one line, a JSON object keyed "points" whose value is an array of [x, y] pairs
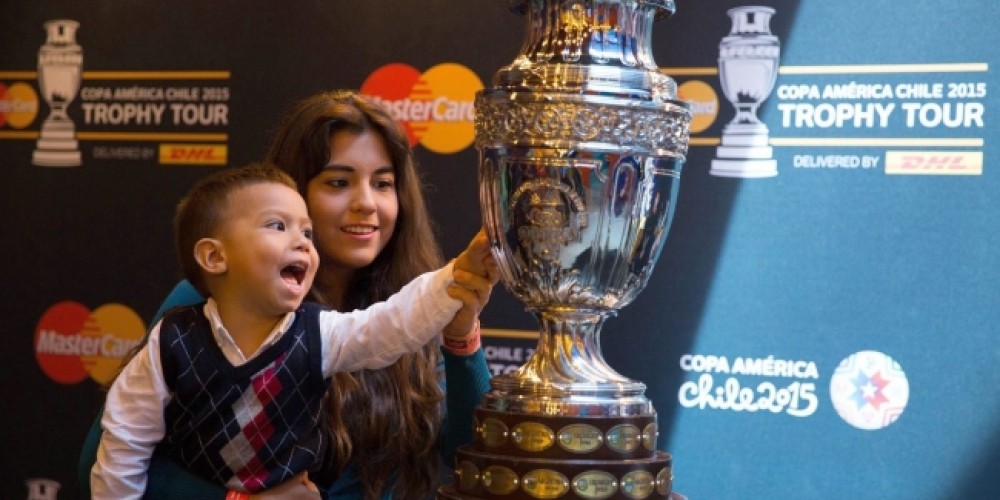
{"points": [[435, 107], [72, 342], [826, 298]]}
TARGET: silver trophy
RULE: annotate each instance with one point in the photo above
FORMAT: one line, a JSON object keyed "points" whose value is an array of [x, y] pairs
{"points": [[581, 141], [748, 68], [60, 61]]}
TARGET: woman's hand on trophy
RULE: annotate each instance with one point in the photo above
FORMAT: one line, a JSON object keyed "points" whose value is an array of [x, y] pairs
{"points": [[475, 274]]}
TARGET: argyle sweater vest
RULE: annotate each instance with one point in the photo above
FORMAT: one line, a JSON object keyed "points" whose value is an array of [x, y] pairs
{"points": [[248, 427]]}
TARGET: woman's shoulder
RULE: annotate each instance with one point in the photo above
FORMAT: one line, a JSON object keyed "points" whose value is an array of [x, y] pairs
{"points": [[183, 294]]}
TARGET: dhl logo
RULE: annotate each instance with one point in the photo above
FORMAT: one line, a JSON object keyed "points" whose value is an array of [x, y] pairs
{"points": [[193, 154], [934, 163]]}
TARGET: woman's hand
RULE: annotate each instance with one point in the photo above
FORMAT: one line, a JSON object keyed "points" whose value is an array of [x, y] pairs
{"points": [[475, 273], [296, 488]]}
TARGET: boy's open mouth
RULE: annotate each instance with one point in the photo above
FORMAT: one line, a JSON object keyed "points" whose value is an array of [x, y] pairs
{"points": [[294, 273]]}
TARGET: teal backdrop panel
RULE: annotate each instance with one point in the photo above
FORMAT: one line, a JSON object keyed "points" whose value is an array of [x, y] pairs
{"points": [[824, 315]]}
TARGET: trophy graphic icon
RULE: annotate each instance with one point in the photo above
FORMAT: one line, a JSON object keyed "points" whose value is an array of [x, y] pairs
{"points": [[42, 489], [581, 141], [60, 60], [748, 68]]}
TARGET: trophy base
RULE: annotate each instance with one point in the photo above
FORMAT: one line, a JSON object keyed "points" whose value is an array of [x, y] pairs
{"points": [[575, 455], [488, 476], [533, 404], [747, 168], [750, 133], [450, 493], [57, 146], [55, 158], [565, 437], [745, 152], [620, 390]]}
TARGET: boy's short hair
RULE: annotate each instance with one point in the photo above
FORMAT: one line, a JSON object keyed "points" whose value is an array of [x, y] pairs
{"points": [[201, 212]]}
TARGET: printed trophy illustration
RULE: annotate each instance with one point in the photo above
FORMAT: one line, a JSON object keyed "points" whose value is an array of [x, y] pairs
{"points": [[60, 61], [748, 68], [581, 141], [42, 489]]}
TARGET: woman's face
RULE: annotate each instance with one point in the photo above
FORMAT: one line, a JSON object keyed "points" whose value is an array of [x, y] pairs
{"points": [[353, 202]]}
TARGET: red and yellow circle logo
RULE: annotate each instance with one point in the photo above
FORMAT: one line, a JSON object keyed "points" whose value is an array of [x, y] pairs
{"points": [[435, 107], [704, 103], [72, 341], [18, 105]]}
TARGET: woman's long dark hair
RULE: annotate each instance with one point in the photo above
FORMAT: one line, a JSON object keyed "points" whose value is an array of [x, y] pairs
{"points": [[385, 422]]}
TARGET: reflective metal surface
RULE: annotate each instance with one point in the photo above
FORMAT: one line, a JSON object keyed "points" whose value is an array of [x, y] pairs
{"points": [[581, 144], [581, 140]]}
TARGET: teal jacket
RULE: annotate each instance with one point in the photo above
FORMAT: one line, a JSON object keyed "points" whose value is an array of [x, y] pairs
{"points": [[469, 378]]}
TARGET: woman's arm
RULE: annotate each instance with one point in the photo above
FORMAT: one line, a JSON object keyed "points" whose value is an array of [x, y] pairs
{"points": [[467, 380], [467, 376], [167, 480], [183, 294]]}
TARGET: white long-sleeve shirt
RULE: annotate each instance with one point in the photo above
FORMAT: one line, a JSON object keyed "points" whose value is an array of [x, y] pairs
{"points": [[372, 338]]}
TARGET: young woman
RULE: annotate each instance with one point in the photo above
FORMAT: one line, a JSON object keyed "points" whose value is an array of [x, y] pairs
{"points": [[388, 431]]}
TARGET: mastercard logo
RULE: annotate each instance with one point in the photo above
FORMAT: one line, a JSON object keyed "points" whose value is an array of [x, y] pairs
{"points": [[72, 342], [18, 105], [703, 102], [436, 107]]}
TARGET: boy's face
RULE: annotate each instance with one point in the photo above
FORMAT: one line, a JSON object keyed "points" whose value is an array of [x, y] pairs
{"points": [[267, 242]]}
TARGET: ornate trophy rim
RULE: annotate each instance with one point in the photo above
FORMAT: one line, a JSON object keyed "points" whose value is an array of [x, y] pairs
{"points": [[597, 123], [664, 8]]}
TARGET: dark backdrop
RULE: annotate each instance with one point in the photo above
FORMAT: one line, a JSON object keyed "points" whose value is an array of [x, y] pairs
{"points": [[829, 272]]}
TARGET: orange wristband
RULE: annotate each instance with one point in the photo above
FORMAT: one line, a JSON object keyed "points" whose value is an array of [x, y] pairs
{"points": [[237, 495], [463, 346]]}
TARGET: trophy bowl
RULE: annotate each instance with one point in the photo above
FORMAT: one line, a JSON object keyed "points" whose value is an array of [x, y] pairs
{"points": [[748, 61], [581, 142], [576, 237]]}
